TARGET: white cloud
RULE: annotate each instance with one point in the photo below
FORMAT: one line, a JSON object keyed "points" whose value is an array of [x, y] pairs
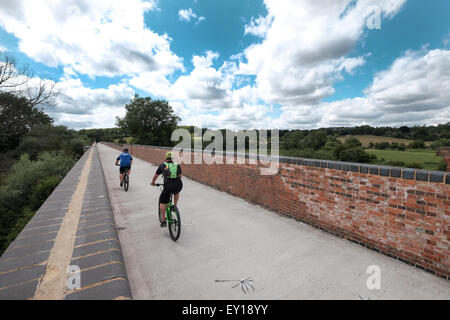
{"points": [[306, 46], [3, 49], [259, 26], [187, 15], [106, 38], [305, 49], [81, 107], [415, 89]]}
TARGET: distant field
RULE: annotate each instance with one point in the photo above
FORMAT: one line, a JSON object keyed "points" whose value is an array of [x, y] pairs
{"points": [[366, 139], [428, 158]]}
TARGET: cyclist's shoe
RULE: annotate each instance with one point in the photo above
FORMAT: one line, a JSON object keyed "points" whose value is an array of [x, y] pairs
{"points": [[164, 224], [121, 184]]}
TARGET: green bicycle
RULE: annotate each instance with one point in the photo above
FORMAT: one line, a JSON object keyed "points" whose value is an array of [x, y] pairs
{"points": [[172, 217]]}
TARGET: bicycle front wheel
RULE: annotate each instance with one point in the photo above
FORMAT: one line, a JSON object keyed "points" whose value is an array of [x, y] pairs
{"points": [[175, 224]]}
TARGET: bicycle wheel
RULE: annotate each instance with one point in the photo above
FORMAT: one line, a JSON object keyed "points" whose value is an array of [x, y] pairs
{"points": [[175, 225], [125, 183]]}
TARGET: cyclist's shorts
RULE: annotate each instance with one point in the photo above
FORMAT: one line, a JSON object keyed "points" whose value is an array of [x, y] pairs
{"points": [[170, 188], [122, 169]]}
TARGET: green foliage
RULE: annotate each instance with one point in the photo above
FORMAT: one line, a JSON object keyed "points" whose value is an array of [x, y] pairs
{"points": [[352, 142], [440, 143], [42, 190], [17, 117], [430, 133], [395, 163], [354, 154], [315, 140], [106, 135], [150, 121], [382, 145], [442, 166], [27, 184], [417, 145], [76, 145], [415, 165]]}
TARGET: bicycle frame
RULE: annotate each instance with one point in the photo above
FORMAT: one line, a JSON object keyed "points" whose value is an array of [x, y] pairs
{"points": [[169, 207]]}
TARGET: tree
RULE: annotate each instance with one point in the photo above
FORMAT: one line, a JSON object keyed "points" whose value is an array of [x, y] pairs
{"points": [[354, 154], [17, 117], [150, 121], [352, 142], [315, 140], [416, 145], [20, 81]]}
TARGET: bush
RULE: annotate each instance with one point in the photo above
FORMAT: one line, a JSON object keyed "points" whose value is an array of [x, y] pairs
{"points": [[76, 146], [382, 145], [442, 166], [42, 190], [354, 155], [24, 189], [401, 147], [396, 163], [416, 145], [352, 142], [440, 143], [415, 165], [315, 140], [25, 174]]}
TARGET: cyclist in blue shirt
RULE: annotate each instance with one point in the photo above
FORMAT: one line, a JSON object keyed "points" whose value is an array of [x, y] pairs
{"points": [[126, 160]]}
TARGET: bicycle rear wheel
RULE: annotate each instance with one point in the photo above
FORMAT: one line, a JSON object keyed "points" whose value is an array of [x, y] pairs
{"points": [[126, 183], [175, 225]]}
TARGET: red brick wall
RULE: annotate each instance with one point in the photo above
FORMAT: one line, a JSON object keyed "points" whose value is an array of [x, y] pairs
{"points": [[405, 219]]}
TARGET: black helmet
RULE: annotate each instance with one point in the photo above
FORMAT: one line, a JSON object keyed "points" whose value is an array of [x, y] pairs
{"points": [[125, 150]]}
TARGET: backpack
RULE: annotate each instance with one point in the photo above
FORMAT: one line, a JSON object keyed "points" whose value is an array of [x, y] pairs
{"points": [[171, 170]]}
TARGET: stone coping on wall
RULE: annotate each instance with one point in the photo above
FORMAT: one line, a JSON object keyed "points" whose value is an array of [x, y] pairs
{"points": [[384, 171]]}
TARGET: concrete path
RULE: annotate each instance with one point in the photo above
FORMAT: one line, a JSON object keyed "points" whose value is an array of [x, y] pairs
{"points": [[226, 238]]}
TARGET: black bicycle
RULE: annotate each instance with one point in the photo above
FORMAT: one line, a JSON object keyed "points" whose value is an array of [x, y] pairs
{"points": [[126, 179], [172, 217]]}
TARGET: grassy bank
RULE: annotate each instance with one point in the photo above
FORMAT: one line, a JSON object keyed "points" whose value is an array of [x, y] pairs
{"points": [[427, 158]]}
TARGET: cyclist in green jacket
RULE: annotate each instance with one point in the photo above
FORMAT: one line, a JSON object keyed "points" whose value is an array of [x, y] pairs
{"points": [[172, 183]]}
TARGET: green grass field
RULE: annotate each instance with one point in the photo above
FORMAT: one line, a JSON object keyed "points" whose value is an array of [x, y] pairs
{"points": [[366, 139], [428, 158]]}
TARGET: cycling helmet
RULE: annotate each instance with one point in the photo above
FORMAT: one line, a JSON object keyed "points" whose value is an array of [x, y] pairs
{"points": [[168, 155], [125, 150]]}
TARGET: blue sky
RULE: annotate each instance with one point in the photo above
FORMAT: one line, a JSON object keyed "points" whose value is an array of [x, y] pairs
{"points": [[239, 64]]}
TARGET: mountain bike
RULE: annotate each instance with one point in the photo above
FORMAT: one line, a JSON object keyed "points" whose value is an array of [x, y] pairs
{"points": [[172, 216], [126, 179]]}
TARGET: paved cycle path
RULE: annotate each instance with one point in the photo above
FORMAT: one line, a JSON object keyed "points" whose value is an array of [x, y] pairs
{"points": [[224, 238]]}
